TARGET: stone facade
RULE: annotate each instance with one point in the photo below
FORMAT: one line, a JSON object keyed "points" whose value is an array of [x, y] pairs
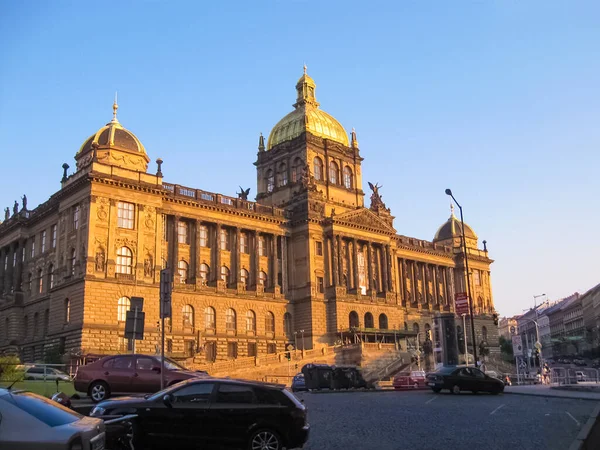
{"points": [[306, 264]]}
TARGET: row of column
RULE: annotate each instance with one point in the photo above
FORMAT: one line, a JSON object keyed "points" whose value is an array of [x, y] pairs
{"points": [[270, 242], [11, 267], [441, 278], [344, 266]]}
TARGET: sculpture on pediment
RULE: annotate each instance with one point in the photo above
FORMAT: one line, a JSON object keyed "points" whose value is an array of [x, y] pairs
{"points": [[307, 181], [24, 198], [7, 213], [243, 194], [16, 208], [376, 197]]}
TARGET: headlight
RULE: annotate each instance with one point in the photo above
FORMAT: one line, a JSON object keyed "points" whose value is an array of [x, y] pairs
{"points": [[97, 411]]}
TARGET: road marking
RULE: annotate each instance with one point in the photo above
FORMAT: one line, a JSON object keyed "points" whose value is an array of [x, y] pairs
{"points": [[494, 411], [431, 399], [574, 419]]}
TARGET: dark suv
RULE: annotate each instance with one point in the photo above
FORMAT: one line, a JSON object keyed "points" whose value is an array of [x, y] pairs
{"points": [[206, 413], [128, 374]]}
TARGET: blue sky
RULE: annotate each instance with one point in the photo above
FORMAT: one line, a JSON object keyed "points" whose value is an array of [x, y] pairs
{"points": [[498, 100]]}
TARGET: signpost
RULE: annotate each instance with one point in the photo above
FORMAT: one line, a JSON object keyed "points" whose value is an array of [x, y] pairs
{"points": [[517, 344], [166, 287], [461, 303]]}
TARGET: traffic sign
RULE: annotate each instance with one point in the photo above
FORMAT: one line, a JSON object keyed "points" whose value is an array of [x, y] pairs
{"points": [[166, 287], [134, 325], [461, 303], [517, 344], [512, 329]]}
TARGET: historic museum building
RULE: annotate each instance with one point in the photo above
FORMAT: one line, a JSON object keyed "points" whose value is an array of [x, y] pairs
{"points": [[306, 264]]}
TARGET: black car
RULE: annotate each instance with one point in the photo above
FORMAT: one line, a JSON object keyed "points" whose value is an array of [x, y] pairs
{"points": [[457, 379], [208, 413]]}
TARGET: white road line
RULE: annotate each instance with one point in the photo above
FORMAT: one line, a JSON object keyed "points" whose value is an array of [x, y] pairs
{"points": [[576, 421], [431, 399], [494, 411]]}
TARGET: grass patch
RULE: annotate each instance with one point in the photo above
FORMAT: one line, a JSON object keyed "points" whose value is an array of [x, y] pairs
{"points": [[45, 388]]}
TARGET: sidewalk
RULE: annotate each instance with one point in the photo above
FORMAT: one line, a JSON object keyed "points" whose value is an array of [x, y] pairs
{"points": [[551, 391]]}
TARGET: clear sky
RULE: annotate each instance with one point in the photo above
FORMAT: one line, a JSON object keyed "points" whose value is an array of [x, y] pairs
{"points": [[497, 100]]}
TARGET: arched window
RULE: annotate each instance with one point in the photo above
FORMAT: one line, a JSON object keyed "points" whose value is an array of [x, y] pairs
{"points": [[40, 281], [484, 334], [204, 272], [245, 277], [51, 276], [287, 325], [182, 268], [262, 278], [353, 319], [318, 168], [297, 170], [123, 305], [251, 321], [209, 318], [187, 316], [282, 175], [415, 327], [383, 322], [333, 173], [72, 261], [124, 261], [270, 181], [225, 274], [230, 320], [270, 322], [348, 181], [369, 322]]}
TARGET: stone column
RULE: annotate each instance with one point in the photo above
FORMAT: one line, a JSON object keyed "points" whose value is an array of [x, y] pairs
{"points": [[174, 259], [426, 283], [335, 265], [413, 282], [384, 269], [355, 264], [255, 260], [238, 255], [340, 268], [452, 286], [18, 278], [435, 275], [284, 265], [195, 258], [390, 268], [2, 271], [217, 252], [274, 266], [370, 266]]}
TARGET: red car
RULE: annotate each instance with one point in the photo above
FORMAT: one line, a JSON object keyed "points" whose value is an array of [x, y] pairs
{"points": [[125, 374], [410, 380]]}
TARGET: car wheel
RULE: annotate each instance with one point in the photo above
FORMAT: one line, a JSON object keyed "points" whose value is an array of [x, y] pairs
{"points": [[455, 389], [99, 391], [265, 440], [436, 390]]}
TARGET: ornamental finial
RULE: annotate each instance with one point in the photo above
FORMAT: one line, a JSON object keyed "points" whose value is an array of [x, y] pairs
{"points": [[115, 107]]}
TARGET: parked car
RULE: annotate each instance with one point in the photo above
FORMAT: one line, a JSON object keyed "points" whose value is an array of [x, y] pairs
{"points": [[298, 383], [214, 412], [458, 379], [492, 373], [580, 376], [45, 373], [30, 421], [410, 380], [127, 374]]}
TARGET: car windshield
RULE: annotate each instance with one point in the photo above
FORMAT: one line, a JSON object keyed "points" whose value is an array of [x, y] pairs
{"points": [[172, 365], [417, 374], [51, 413], [166, 390]]}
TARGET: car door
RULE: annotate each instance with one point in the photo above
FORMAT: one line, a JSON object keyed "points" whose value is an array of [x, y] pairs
{"points": [[232, 413], [145, 379], [465, 379], [480, 381], [120, 373]]}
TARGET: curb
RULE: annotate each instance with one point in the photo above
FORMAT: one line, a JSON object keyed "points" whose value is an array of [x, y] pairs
{"points": [[584, 434], [552, 396]]}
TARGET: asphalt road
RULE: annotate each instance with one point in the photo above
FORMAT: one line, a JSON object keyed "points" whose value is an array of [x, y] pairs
{"points": [[424, 420]]}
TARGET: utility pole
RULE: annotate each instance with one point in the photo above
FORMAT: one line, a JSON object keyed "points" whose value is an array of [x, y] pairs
{"points": [[464, 316], [166, 287]]}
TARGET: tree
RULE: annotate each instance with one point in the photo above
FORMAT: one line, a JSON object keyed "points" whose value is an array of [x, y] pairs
{"points": [[10, 369], [506, 347]]}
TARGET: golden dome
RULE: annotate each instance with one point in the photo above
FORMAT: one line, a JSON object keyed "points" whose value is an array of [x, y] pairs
{"points": [[113, 135], [307, 117], [452, 228]]}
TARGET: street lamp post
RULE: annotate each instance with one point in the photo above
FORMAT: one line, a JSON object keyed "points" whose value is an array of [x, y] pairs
{"points": [[464, 242], [465, 336]]}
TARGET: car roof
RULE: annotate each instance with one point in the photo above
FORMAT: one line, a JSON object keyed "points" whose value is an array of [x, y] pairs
{"points": [[236, 381]]}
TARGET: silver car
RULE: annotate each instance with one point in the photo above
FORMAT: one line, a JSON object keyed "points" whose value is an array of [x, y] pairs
{"points": [[30, 421], [45, 373]]}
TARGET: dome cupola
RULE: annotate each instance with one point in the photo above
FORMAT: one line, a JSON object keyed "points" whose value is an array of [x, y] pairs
{"points": [[451, 230], [307, 117]]}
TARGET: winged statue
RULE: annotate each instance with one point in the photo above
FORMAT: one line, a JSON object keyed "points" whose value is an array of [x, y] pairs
{"points": [[243, 194]]}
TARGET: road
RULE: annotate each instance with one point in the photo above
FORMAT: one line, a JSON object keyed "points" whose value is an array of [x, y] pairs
{"points": [[424, 420]]}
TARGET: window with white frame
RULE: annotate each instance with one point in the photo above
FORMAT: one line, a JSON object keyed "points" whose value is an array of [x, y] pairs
{"points": [[182, 232], [230, 320], [72, 262], [123, 305], [262, 278], [244, 277], [209, 318], [224, 239], [204, 271], [262, 246], [203, 230], [270, 181], [225, 274], [348, 182], [124, 261], [43, 241], [40, 281], [76, 217], [182, 268], [53, 236], [251, 321], [51, 276], [187, 316], [125, 215], [244, 247], [270, 322]]}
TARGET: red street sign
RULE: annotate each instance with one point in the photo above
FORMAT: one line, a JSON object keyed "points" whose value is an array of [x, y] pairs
{"points": [[461, 303]]}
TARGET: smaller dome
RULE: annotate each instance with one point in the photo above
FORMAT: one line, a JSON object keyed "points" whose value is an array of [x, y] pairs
{"points": [[452, 228], [113, 135]]}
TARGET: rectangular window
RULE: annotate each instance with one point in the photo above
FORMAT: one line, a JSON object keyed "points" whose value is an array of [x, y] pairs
{"points": [[320, 285], [43, 241], [224, 239], [262, 246], [319, 248], [125, 215], [232, 350], [251, 348], [190, 348], [244, 243], [53, 235], [76, 218], [182, 232], [203, 236], [271, 348], [32, 248]]}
